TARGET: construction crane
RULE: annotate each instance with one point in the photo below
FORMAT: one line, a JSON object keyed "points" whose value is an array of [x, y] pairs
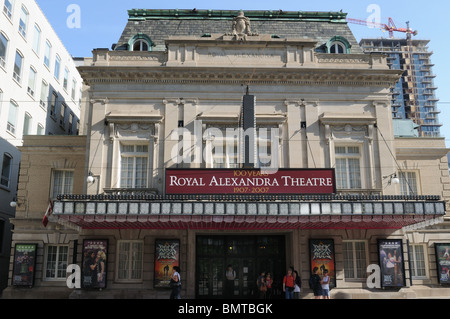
{"points": [[390, 27]]}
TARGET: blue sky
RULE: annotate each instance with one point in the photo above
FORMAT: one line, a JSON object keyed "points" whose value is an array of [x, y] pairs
{"points": [[102, 22]]}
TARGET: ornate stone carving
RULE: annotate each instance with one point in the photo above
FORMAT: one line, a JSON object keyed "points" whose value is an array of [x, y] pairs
{"points": [[241, 27]]}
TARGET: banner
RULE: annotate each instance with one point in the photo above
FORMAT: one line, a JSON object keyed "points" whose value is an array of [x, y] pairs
{"points": [[443, 262], [24, 265], [322, 257], [167, 255], [390, 253], [94, 263], [250, 181]]}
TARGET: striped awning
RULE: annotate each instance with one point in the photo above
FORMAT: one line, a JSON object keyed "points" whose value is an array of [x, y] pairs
{"points": [[248, 215]]}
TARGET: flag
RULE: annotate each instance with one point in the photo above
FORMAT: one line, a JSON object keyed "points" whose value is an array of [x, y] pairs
{"points": [[47, 213]]}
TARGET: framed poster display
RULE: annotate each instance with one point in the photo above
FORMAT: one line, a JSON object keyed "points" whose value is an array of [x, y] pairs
{"points": [[167, 255], [93, 272], [443, 262], [390, 253], [323, 257], [24, 265]]}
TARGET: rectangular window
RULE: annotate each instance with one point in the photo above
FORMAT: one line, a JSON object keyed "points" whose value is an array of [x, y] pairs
{"points": [[74, 87], [57, 67], [62, 119], [44, 94], [53, 102], [134, 166], [348, 171], [8, 7], [6, 170], [66, 78], [355, 259], [23, 22], [130, 258], [32, 81], [26, 124], [3, 48], [408, 183], [40, 129], [12, 118], [36, 39], [70, 131], [18, 66], [57, 261], [418, 264], [47, 54], [62, 182]]}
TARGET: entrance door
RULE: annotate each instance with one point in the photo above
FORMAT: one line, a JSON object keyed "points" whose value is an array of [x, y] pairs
{"points": [[248, 255]]}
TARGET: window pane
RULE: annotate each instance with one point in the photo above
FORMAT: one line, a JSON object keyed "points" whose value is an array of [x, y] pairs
{"points": [[6, 170], [3, 46], [18, 66], [48, 51], [418, 264], [62, 261], [57, 67], [348, 260], [26, 124], [354, 173], [36, 39], [51, 261], [124, 249], [23, 22], [341, 173]]}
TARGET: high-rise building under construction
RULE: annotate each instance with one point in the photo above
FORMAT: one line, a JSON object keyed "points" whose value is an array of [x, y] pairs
{"points": [[413, 97]]}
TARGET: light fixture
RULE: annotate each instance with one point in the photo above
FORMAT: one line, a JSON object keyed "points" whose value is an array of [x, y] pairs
{"points": [[393, 179], [90, 179], [13, 204]]}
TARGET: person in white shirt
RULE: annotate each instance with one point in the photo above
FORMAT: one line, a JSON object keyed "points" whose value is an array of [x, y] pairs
{"points": [[325, 285]]}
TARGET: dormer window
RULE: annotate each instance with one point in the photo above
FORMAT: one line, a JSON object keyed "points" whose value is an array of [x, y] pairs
{"points": [[338, 45], [140, 42], [140, 45], [337, 48]]}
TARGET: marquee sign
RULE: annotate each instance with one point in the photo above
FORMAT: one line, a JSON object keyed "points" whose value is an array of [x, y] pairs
{"points": [[250, 181]]}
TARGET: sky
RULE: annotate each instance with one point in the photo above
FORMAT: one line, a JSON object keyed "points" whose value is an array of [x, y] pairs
{"points": [[84, 25]]}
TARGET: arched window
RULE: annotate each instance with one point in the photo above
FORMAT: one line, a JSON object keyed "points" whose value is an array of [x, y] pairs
{"points": [[338, 45], [140, 42], [140, 45]]}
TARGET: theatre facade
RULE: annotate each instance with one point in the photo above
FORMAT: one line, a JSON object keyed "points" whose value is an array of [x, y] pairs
{"points": [[256, 139]]}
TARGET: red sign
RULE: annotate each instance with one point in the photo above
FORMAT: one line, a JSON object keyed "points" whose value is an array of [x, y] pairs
{"points": [[250, 181]]}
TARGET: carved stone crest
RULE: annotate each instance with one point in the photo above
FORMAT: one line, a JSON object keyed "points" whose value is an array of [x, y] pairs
{"points": [[241, 27]]}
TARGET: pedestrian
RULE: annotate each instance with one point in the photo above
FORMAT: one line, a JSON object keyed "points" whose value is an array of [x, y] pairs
{"points": [[288, 284], [261, 285], [269, 282], [297, 285], [325, 285], [315, 283], [175, 283], [230, 276]]}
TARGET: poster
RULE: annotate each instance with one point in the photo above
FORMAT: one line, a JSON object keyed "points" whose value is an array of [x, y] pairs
{"points": [[24, 264], [322, 257], [93, 273], [443, 262], [167, 255], [391, 262]]}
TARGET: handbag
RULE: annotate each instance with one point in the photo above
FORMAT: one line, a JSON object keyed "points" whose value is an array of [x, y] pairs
{"points": [[173, 283]]}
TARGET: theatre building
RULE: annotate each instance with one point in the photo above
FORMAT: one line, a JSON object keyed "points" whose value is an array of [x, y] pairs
{"points": [[256, 139]]}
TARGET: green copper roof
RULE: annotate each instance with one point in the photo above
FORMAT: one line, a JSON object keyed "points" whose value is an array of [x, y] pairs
{"points": [[146, 14]]}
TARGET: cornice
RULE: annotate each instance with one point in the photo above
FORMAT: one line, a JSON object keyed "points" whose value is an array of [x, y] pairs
{"points": [[207, 75]]}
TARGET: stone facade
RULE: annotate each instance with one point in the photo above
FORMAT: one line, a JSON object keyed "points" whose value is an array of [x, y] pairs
{"points": [[323, 105]]}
